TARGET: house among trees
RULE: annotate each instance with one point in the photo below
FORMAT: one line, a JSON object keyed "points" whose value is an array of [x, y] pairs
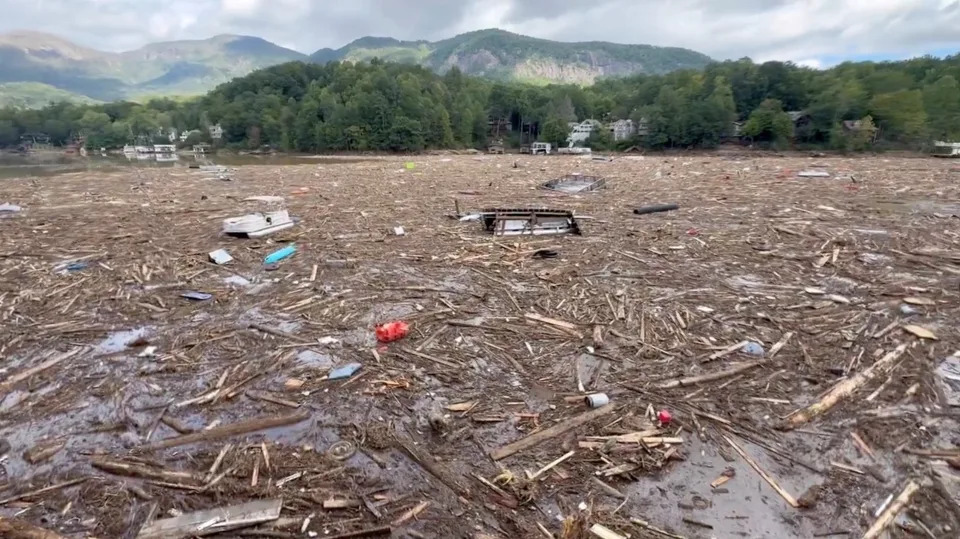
{"points": [[580, 132], [216, 132]]}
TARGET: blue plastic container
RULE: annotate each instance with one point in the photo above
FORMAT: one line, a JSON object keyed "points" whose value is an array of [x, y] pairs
{"points": [[277, 256]]}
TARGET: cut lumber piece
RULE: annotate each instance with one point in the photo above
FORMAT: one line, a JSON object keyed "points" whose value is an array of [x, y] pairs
{"points": [[21, 376], [725, 352], [753, 464], [234, 429], [541, 436], [571, 328], [213, 521], [13, 528], [128, 469], [550, 466], [693, 380], [603, 532], [890, 513], [843, 389]]}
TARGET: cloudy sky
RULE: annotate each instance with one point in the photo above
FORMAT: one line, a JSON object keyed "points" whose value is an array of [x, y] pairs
{"points": [[812, 32]]}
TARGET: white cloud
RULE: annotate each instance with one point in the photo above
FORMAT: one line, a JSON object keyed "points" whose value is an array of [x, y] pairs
{"points": [[807, 31]]}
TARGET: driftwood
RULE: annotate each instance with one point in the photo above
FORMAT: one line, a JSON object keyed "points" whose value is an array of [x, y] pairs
{"points": [[546, 434], [693, 380], [117, 467], [844, 389], [21, 376], [891, 512], [234, 429], [39, 491]]}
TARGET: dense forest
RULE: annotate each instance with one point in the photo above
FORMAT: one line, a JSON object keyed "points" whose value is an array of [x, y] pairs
{"points": [[382, 106]]}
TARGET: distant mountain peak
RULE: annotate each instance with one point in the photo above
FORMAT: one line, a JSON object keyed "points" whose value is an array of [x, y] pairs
{"points": [[497, 53]]}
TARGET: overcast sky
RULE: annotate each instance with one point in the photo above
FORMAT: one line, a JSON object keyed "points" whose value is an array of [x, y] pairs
{"points": [[813, 32]]}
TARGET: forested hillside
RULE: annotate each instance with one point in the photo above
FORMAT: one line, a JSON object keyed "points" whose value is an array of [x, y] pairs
{"points": [[394, 107]]}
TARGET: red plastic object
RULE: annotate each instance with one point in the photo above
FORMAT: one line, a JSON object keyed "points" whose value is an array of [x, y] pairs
{"points": [[664, 417], [392, 331]]}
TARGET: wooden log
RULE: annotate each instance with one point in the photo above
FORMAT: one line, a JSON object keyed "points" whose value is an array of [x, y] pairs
{"points": [[129, 469], [844, 389], [13, 528], [693, 380], [890, 513], [548, 433], [21, 376], [213, 521], [225, 431]]}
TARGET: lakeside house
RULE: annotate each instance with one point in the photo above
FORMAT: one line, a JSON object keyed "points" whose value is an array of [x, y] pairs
{"points": [[580, 132]]}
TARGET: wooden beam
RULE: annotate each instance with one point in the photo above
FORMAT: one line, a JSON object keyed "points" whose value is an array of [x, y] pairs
{"points": [[541, 436], [226, 431]]}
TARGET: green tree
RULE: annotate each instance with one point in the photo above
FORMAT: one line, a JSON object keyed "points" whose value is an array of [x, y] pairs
{"points": [[555, 131], [901, 115], [941, 102], [769, 123], [9, 134]]}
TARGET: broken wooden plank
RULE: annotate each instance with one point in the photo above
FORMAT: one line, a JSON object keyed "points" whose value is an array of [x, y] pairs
{"points": [[890, 513], [843, 390], [264, 396], [234, 429], [129, 469], [693, 380], [553, 322], [550, 466], [783, 493], [604, 532], [21, 376], [411, 513], [726, 351], [541, 436], [223, 519]]}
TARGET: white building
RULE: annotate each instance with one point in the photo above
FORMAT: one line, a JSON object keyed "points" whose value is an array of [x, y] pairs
{"points": [[582, 131], [216, 132], [623, 130], [186, 134]]}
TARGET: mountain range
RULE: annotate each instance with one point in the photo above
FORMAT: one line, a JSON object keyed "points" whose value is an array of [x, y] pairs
{"points": [[60, 69]]}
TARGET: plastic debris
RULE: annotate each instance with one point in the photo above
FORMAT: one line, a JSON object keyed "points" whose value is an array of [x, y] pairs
{"points": [[752, 349], [546, 253], [813, 174], [9, 208], [597, 400], [657, 208], [149, 351], [345, 371], [664, 417], [392, 331], [948, 374], [77, 266], [279, 255], [196, 296], [399, 231], [220, 256]]}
